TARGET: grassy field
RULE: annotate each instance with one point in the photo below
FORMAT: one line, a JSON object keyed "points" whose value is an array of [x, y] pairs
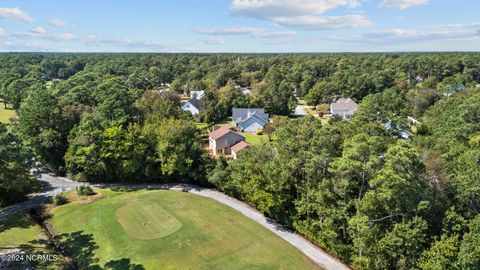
{"points": [[22, 232], [169, 230], [19, 230], [6, 114]]}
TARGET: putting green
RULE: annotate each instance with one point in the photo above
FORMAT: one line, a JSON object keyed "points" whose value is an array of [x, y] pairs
{"points": [[146, 220]]}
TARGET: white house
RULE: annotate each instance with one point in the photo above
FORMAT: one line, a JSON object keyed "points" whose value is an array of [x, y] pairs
{"points": [[344, 107], [193, 106]]}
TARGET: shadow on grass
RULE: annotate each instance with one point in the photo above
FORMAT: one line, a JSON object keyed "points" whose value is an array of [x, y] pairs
{"points": [[123, 264], [21, 221], [81, 247], [124, 189]]}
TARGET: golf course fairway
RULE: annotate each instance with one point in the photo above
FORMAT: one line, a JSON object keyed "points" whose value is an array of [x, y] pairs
{"points": [[168, 230]]}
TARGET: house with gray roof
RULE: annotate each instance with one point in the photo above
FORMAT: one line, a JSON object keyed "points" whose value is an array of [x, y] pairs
{"points": [[454, 89], [344, 107], [193, 105], [249, 119]]}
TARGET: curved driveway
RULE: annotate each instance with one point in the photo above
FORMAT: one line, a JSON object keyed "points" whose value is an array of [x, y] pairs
{"points": [[57, 185]]}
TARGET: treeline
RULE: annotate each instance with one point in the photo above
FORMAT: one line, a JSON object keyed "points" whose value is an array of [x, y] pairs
{"points": [[365, 190], [366, 194]]}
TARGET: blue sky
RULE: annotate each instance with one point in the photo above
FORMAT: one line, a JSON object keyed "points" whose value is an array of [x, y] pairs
{"points": [[239, 25]]}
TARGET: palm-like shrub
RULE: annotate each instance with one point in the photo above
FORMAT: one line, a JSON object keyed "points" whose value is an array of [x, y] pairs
{"points": [[59, 199], [84, 190]]}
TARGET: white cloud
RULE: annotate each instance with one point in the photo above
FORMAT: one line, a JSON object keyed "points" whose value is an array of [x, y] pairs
{"points": [[14, 13], [41, 33], [403, 4], [457, 32], [62, 37], [263, 9], [38, 39], [38, 30], [150, 45], [248, 31], [214, 41], [57, 22], [301, 13], [326, 22]]}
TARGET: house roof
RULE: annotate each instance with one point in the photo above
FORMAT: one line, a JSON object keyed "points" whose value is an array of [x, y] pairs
{"points": [[344, 104], [240, 145], [222, 131], [195, 103], [255, 117], [241, 114], [197, 94], [456, 88]]}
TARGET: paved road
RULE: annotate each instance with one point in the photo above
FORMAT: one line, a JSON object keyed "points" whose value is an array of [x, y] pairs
{"points": [[53, 186], [58, 184]]}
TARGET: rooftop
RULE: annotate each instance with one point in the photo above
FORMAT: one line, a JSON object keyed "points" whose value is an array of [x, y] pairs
{"points": [[195, 102], [240, 114], [344, 104], [239, 146], [222, 131]]}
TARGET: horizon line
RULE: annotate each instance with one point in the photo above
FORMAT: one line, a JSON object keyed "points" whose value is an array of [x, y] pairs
{"points": [[226, 52]]}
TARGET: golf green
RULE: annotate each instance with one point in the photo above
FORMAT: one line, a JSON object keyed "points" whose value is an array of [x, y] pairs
{"points": [[168, 230], [146, 220]]}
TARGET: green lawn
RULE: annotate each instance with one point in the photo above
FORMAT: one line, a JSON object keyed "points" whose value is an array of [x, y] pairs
{"points": [[254, 139], [309, 110], [301, 102], [22, 232], [19, 230], [49, 84], [207, 126], [6, 114], [169, 230], [202, 125], [324, 121]]}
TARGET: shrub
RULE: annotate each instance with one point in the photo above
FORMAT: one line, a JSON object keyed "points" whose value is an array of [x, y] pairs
{"points": [[259, 131], [323, 108], [423, 129], [59, 199], [84, 190], [475, 140]]}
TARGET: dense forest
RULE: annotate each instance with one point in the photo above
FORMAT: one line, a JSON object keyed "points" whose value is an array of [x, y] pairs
{"points": [[360, 189]]}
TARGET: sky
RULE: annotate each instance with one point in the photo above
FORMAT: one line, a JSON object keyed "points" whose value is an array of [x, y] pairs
{"points": [[248, 26]]}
